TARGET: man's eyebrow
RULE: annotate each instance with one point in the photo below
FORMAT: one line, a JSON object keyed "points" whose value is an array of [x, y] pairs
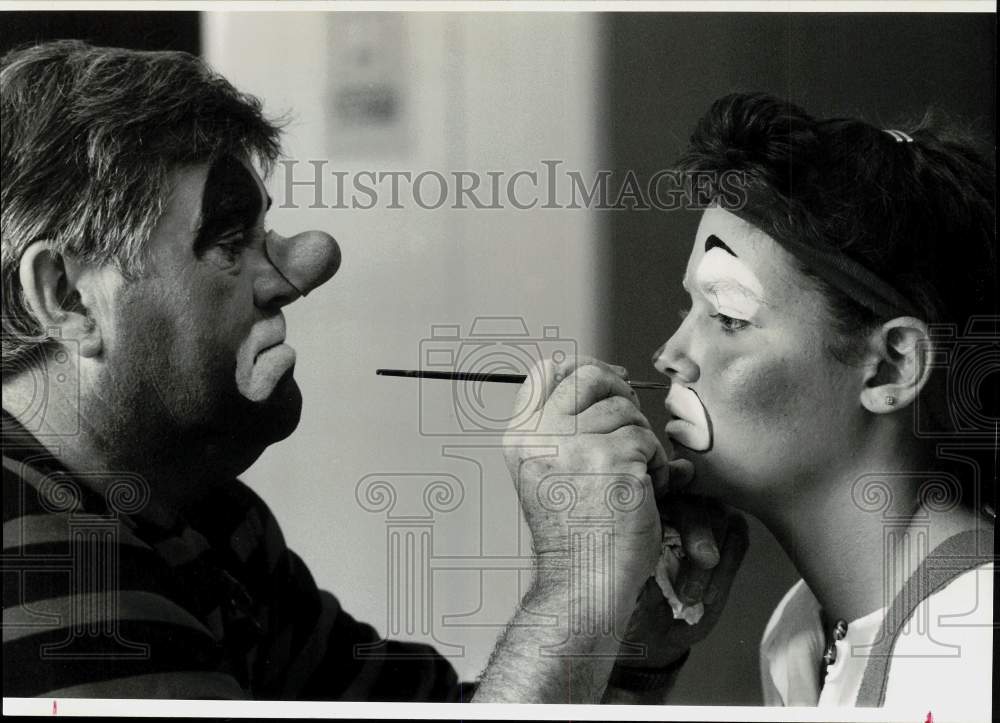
{"points": [[714, 241]]}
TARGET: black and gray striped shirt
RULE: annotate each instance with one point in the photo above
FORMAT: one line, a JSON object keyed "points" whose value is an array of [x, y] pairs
{"points": [[99, 603]]}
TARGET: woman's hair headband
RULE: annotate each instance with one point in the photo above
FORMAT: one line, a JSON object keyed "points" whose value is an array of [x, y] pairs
{"points": [[900, 136], [830, 264]]}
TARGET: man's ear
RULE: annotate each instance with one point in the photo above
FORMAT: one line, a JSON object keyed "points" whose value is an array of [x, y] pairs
{"points": [[48, 280], [898, 364]]}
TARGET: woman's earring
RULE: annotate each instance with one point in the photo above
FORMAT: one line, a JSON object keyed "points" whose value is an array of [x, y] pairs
{"points": [[890, 401]]}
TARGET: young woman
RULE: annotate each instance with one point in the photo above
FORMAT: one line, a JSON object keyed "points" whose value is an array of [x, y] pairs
{"points": [[840, 338]]}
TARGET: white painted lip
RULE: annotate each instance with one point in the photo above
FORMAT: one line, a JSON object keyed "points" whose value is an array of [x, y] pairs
{"points": [[669, 404], [691, 427], [678, 425], [280, 346], [269, 368], [269, 347]]}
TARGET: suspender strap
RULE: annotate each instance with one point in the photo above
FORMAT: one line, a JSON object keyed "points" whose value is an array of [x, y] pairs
{"points": [[956, 555]]}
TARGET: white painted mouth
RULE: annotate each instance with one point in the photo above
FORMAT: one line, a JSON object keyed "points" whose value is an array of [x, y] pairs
{"points": [[690, 425], [269, 366]]}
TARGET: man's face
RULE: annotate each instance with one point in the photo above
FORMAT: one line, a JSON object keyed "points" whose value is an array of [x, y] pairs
{"points": [[194, 352]]}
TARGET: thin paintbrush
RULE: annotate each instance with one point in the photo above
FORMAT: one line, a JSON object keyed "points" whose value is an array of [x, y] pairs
{"points": [[487, 377]]}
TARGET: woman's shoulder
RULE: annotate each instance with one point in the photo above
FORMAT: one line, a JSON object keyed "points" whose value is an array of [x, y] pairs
{"points": [[948, 637], [966, 602]]}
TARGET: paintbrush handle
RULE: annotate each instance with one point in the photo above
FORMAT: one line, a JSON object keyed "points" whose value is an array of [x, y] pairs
{"points": [[489, 377]]}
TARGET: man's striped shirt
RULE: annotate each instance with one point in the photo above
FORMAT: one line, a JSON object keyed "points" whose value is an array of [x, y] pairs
{"points": [[99, 603]]}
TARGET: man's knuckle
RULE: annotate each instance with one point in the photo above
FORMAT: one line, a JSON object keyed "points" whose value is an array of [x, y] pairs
{"points": [[638, 435], [621, 407], [587, 374]]}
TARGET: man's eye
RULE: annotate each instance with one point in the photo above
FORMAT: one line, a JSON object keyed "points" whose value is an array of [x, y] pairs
{"points": [[231, 251], [229, 248], [729, 324]]}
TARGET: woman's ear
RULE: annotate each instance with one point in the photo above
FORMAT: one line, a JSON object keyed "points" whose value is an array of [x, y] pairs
{"points": [[897, 364], [48, 282]]}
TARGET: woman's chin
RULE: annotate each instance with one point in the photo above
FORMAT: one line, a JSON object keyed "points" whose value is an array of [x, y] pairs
{"points": [[709, 481]]}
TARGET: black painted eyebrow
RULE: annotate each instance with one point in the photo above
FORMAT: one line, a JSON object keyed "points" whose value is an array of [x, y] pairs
{"points": [[230, 201], [714, 241]]}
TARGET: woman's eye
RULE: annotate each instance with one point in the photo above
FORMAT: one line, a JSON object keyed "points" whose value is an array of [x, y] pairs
{"points": [[729, 324]]}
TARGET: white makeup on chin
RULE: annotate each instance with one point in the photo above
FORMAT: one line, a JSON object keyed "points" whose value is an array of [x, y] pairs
{"points": [[729, 284], [690, 425]]}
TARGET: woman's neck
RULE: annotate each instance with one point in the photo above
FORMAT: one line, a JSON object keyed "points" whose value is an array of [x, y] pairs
{"points": [[856, 536]]}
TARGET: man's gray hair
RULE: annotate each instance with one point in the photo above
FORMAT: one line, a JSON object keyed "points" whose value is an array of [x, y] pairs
{"points": [[90, 136]]}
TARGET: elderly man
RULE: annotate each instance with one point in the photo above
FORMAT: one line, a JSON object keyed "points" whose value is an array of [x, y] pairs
{"points": [[145, 367]]}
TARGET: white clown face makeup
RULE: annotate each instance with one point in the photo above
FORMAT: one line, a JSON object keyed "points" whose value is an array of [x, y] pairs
{"points": [[756, 398], [727, 282], [198, 348]]}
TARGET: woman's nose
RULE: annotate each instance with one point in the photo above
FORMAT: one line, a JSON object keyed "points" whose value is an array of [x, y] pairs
{"points": [[303, 262], [672, 359]]}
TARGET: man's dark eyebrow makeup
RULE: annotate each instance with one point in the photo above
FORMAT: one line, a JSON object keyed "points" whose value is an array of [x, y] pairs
{"points": [[230, 201], [714, 241]]}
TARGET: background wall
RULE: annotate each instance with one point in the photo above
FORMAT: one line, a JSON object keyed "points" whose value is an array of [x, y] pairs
{"points": [[477, 91], [663, 71]]}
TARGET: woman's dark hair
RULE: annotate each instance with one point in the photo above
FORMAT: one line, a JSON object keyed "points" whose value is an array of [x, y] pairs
{"points": [[920, 214]]}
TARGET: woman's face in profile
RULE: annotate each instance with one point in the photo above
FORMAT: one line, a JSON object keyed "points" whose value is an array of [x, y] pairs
{"points": [[753, 347]]}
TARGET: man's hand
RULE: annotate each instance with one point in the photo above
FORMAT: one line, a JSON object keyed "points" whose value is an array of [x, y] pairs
{"points": [[588, 470], [589, 454], [715, 539]]}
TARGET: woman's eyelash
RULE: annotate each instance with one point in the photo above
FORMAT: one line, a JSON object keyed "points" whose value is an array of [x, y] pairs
{"points": [[729, 324]]}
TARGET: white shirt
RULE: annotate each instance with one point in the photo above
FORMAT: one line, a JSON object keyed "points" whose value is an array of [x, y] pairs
{"points": [[942, 659]]}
